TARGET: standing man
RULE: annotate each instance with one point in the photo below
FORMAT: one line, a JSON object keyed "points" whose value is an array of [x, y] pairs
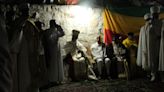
{"points": [[154, 37], [21, 74], [161, 55], [142, 54], [52, 50], [24, 50], [31, 40], [5, 61]]}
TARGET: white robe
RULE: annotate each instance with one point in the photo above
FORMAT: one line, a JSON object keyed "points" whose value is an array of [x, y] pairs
{"points": [[150, 49], [161, 55], [142, 58], [73, 46]]}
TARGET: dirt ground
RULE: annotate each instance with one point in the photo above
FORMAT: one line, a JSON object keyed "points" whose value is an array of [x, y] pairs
{"points": [[118, 85]]}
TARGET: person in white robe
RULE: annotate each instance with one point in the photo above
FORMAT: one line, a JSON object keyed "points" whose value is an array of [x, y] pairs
{"points": [[149, 47], [161, 56], [142, 54], [98, 51], [75, 49], [74, 45], [6, 64]]}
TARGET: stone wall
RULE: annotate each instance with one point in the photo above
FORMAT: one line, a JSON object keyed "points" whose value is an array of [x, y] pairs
{"points": [[87, 20]]}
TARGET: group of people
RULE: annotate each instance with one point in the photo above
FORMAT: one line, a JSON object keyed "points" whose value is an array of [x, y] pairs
{"points": [[150, 48], [103, 63], [115, 57], [32, 58]]}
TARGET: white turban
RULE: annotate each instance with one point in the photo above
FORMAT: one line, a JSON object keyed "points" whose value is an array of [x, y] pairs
{"points": [[154, 9], [147, 16]]}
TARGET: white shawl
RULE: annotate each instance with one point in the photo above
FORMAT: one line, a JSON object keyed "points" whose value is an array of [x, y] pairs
{"points": [[142, 54], [161, 53]]}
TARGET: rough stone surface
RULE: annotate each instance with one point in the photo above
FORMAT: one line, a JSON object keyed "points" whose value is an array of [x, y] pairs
{"points": [[139, 85], [87, 20]]}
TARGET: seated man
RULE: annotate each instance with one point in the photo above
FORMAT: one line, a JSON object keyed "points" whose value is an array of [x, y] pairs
{"points": [[117, 53], [73, 47], [119, 49], [99, 55], [77, 58]]}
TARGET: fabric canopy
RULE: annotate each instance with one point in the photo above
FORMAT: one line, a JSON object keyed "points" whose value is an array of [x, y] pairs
{"points": [[122, 22]]}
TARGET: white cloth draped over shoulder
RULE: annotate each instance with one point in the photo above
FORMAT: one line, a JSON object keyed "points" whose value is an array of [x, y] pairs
{"points": [[161, 55], [151, 47], [142, 55], [73, 47]]}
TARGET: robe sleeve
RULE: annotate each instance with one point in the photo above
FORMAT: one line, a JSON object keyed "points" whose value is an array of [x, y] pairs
{"points": [[139, 52], [5, 61], [161, 54]]}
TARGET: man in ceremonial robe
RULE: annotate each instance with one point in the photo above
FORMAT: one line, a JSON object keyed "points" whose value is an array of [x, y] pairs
{"points": [[154, 37], [142, 55], [53, 56]]}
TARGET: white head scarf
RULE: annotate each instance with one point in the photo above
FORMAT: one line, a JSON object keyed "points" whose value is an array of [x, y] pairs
{"points": [[154, 9], [147, 16]]}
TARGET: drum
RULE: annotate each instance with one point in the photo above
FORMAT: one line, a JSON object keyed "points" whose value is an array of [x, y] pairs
{"points": [[80, 70]]}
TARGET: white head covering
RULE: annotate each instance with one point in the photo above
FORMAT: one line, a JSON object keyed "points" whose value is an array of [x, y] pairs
{"points": [[147, 16], [154, 9]]}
